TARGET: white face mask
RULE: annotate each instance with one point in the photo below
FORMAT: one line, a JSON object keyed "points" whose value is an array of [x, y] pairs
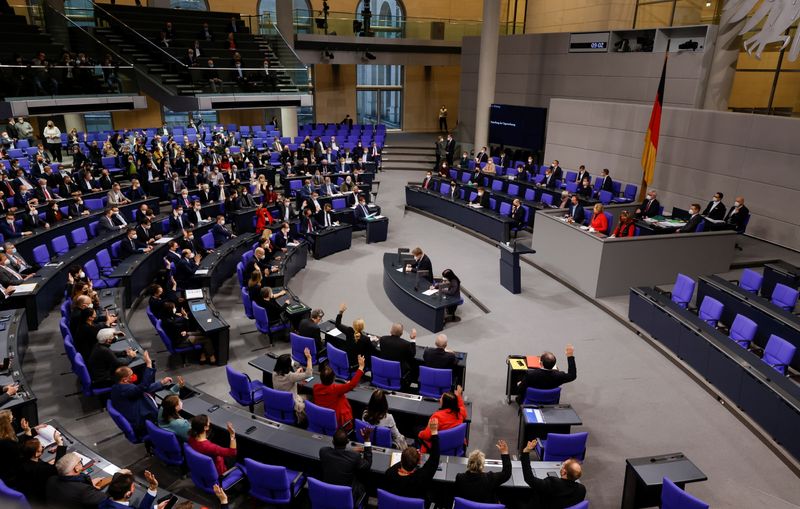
{"points": [[715, 200], [134, 237], [91, 306], [738, 204]]}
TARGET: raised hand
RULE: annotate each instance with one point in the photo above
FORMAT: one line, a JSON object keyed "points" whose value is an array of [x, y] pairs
{"points": [[152, 482], [502, 446], [362, 361], [570, 350], [530, 446]]}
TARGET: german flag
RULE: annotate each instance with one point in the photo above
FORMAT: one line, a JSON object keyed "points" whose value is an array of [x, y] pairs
{"points": [[651, 138]]}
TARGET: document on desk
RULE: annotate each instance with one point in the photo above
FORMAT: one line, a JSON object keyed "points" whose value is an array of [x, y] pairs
{"points": [[475, 205], [201, 272], [394, 459], [533, 415], [163, 240], [430, 292], [335, 332], [25, 288], [399, 269], [378, 217], [85, 460], [111, 469]]}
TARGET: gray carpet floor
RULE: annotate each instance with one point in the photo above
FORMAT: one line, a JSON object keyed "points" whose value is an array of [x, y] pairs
{"points": [[632, 400]]}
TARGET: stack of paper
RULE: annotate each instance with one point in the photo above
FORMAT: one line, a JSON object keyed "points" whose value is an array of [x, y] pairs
{"points": [[46, 435], [430, 292]]}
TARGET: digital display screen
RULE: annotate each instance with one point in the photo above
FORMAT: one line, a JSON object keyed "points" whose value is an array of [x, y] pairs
{"points": [[517, 126]]}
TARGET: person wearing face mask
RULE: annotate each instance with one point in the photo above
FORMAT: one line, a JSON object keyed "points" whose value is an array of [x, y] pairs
{"points": [[421, 263], [220, 232], [103, 362], [77, 208], [361, 210], [481, 198], [282, 238], [176, 326], [738, 214], [132, 245], [72, 487], [16, 261], [33, 472], [649, 207], [31, 220], [427, 182], [9, 276], [715, 208], [694, 220]]}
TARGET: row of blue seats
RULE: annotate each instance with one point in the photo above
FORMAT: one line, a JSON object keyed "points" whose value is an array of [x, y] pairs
{"points": [[778, 353]]}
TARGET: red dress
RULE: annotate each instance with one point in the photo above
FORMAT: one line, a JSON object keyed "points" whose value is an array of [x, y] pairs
{"points": [[447, 420], [600, 223], [333, 396], [262, 218], [216, 452]]}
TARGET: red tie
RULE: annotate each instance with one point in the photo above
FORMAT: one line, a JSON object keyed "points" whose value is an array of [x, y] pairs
{"points": [[46, 194]]}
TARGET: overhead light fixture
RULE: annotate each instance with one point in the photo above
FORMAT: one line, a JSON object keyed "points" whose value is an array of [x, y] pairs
{"points": [[708, 4], [329, 55]]}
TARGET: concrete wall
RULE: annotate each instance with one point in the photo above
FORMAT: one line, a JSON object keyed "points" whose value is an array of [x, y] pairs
{"points": [[533, 68], [700, 152]]}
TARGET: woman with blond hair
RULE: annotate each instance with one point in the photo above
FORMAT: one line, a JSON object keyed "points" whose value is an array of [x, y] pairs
{"points": [[358, 342], [10, 446], [599, 221], [479, 486]]}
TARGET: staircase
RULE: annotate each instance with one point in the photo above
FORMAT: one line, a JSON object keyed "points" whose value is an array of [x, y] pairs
{"points": [[409, 151]]}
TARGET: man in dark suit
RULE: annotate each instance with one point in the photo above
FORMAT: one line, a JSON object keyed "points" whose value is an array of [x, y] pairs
{"points": [[71, 487], [43, 193], [325, 216], [394, 348], [122, 487], [345, 467], [178, 220], [552, 492], [107, 223], [517, 213], [582, 174], [309, 327], [482, 156], [650, 206], [374, 154], [134, 400], [556, 168], [440, 357], [575, 212], [481, 197], [173, 256], [547, 377], [103, 362], [220, 232], [77, 208], [186, 267], [145, 234], [715, 208], [308, 224], [549, 179], [361, 211], [31, 220], [9, 276], [427, 182], [738, 214], [131, 245], [421, 263], [694, 220], [287, 212], [608, 184], [450, 149], [10, 230], [329, 188]]}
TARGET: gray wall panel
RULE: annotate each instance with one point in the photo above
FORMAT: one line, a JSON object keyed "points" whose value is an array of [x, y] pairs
{"points": [[700, 152]]}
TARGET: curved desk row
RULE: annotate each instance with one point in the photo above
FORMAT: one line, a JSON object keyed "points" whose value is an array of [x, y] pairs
{"points": [[770, 318], [779, 272], [13, 344], [411, 411], [112, 299], [280, 444], [767, 397], [217, 266], [405, 290]]}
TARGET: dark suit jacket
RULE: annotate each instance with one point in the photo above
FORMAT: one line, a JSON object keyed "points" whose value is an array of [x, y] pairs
{"points": [[361, 212], [518, 216], [395, 348], [692, 225], [102, 362], [737, 219], [540, 378], [145, 503], [550, 182], [608, 184], [5, 229], [130, 400], [424, 263], [304, 226], [718, 212], [577, 213], [482, 487], [439, 358], [76, 209], [651, 210], [551, 492], [129, 247], [29, 222], [220, 233], [344, 467], [175, 225], [107, 225], [72, 491], [309, 329]]}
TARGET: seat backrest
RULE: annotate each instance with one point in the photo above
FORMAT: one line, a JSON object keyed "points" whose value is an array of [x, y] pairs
{"points": [[91, 270], [93, 227], [672, 497], [505, 208], [497, 185], [115, 249], [785, 297], [750, 281], [79, 236], [444, 189], [201, 469], [572, 187], [778, 353], [279, 405], [207, 240], [683, 290], [268, 482], [542, 396], [260, 315], [165, 444], [513, 189], [239, 384], [581, 505], [701, 226], [743, 330], [462, 503], [630, 191], [41, 255], [547, 198], [248, 306], [710, 310], [381, 435], [11, 498], [562, 446], [388, 500], [329, 496], [451, 441], [386, 374], [434, 382], [320, 419], [240, 273], [299, 344], [120, 420], [103, 259], [338, 361], [605, 197]]}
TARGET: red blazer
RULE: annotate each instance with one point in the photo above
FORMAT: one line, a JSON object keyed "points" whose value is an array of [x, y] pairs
{"points": [[600, 223], [333, 396], [262, 218], [625, 230], [446, 420], [216, 452]]}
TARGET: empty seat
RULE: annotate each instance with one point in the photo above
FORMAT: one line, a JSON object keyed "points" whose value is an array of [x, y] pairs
{"points": [[785, 297], [778, 353], [751, 281], [743, 330], [683, 291], [710, 311]]}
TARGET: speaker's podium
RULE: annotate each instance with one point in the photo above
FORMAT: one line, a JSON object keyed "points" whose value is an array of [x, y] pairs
{"points": [[509, 266]]}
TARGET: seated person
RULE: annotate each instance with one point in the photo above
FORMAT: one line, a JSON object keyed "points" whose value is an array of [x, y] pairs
{"points": [[694, 220], [344, 467], [450, 288], [738, 214], [548, 377], [103, 362], [479, 486], [131, 245], [176, 326], [481, 198], [72, 487], [406, 478], [563, 491], [517, 213], [169, 417], [284, 379], [608, 184], [377, 414], [599, 222], [361, 210], [309, 328], [649, 207], [451, 413], [332, 395], [34, 473], [439, 356], [220, 232], [198, 440], [275, 309], [575, 212], [356, 340], [394, 348], [715, 208], [122, 487], [625, 226], [585, 190]]}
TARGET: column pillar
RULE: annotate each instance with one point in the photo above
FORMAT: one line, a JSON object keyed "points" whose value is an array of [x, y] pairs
{"points": [[289, 121], [285, 20], [487, 70]]}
